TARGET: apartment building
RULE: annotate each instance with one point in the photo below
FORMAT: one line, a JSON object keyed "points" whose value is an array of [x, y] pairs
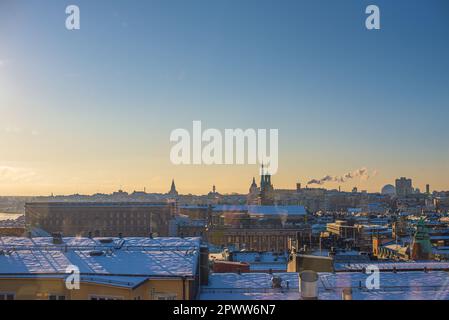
{"points": [[105, 268]]}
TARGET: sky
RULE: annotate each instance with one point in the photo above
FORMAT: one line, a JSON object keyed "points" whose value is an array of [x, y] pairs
{"points": [[91, 110]]}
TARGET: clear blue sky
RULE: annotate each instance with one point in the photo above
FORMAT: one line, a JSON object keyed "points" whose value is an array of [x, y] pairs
{"points": [[98, 101]]}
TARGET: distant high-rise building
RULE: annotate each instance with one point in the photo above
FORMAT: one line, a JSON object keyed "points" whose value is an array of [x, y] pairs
{"points": [[404, 187], [427, 189]]}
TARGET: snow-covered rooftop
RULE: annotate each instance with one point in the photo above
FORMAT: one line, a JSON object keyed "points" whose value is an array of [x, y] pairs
{"points": [[249, 286], [393, 286], [122, 257], [168, 243], [263, 210], [232, 208], [262, 261], [277, 210], [256, 257], [390, 266]]}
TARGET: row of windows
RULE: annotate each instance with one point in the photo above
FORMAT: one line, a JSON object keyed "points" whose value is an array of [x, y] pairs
{"points": [[6, 296], [83, 222], [259, 239], [93, 215], [156, 296]]}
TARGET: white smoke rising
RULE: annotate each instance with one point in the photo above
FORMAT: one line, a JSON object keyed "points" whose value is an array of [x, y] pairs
{"points": [[361, 173]]}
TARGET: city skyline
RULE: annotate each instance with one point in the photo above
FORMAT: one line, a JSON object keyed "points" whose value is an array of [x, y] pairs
{"points": [[91, 110], [326, 184]]}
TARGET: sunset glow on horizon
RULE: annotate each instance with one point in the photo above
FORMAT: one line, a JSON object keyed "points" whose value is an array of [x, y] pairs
{"points": [[91, 110]]}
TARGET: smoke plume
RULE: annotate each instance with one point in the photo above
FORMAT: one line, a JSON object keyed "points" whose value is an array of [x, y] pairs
{"points": [[361, 173]]}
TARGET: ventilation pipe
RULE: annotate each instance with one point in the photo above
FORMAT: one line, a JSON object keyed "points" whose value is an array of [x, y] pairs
{"points": [[308, 284]]}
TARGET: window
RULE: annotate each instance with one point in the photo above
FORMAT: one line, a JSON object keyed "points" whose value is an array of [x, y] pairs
{"points": [[165, 296], [6, 296], [56, 297], [98, 297]]}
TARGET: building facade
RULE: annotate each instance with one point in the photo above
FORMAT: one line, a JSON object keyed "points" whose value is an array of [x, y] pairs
{"points": [[404, 187], [97, 219]]}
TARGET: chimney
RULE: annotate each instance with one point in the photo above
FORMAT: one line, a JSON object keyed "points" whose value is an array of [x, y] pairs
{"points": [[298, 240], [276, 282], [346, 294], [204, 265], [57, 238], [308, 284]]}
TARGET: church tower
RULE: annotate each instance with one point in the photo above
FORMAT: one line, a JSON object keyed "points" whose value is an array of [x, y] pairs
{"points": [[253, 195], [266, 189], [173, 191], [253, 189]]}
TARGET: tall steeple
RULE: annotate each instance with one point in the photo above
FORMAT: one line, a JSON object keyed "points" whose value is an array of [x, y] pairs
{"points": [[253, 188], [173, 191], [254, 183]]}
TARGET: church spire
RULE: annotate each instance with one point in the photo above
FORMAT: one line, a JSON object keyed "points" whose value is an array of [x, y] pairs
{"points": [[173, 188]]}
